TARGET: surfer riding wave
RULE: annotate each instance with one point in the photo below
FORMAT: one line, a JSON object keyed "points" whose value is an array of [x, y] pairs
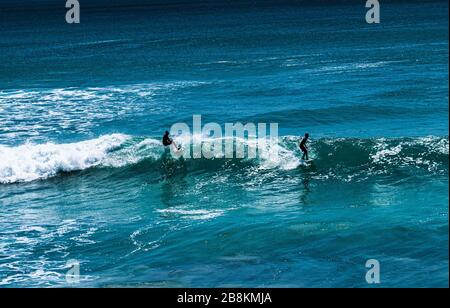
{"points": [[167, 141], [303, 147]]}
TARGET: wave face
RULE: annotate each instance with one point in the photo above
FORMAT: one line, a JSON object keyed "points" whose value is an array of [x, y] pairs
{"points": [[132, 215], [362, 158], [333, 158]]}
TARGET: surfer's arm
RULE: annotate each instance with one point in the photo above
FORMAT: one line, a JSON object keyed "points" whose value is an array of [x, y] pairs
{"points": [[175, 145]]}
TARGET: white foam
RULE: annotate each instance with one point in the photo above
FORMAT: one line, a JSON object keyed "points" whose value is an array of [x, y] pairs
{"points": [[38, 112], [30, 162], [398, 154], [194, 214], [134, 153], [383, 152], [271, 153], [351, 67], [274, 155], [435, 144]]}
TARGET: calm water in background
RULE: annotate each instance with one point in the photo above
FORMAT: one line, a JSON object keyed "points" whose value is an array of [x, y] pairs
{"points": [[83, 175]]}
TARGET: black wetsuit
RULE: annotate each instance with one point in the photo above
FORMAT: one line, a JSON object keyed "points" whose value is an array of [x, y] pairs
{"points": [[303, 148], [166, 140], [303, 145]]}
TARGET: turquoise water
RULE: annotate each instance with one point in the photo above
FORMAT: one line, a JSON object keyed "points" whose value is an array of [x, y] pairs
{"points": [[83, 175]]}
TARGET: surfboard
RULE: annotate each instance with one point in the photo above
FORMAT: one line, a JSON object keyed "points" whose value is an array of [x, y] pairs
{"points": [[306, 162], [178, 151]]}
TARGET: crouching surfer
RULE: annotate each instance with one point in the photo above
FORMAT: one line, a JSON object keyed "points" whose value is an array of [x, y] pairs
{"points": [[167, 141]]}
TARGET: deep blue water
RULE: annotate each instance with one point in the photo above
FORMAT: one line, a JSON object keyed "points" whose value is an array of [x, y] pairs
{"points": [[83, 175]]}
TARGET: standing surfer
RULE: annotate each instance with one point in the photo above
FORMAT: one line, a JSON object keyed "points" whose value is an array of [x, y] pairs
{"points": [[303, 147]]}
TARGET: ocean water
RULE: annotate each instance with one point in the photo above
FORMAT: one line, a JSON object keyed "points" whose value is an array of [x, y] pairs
{"points": [[84, 177]]}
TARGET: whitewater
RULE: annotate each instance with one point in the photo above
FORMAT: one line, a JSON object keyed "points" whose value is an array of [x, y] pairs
{"points": [[31, 162], [84, 176]]}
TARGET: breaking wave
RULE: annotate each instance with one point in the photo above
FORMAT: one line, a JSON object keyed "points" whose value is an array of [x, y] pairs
{"points": [[339, 158]]}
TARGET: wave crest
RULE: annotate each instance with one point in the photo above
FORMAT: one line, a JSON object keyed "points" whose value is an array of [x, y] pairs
{"points": [[338, 158], [30, 162]]}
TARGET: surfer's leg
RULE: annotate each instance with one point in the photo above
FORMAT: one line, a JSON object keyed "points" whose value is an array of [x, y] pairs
{"points": [[305, 152]]}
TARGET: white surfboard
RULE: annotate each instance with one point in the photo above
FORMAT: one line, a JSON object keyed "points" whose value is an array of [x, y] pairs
{"points": [[178, 152], [306, 162]]}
